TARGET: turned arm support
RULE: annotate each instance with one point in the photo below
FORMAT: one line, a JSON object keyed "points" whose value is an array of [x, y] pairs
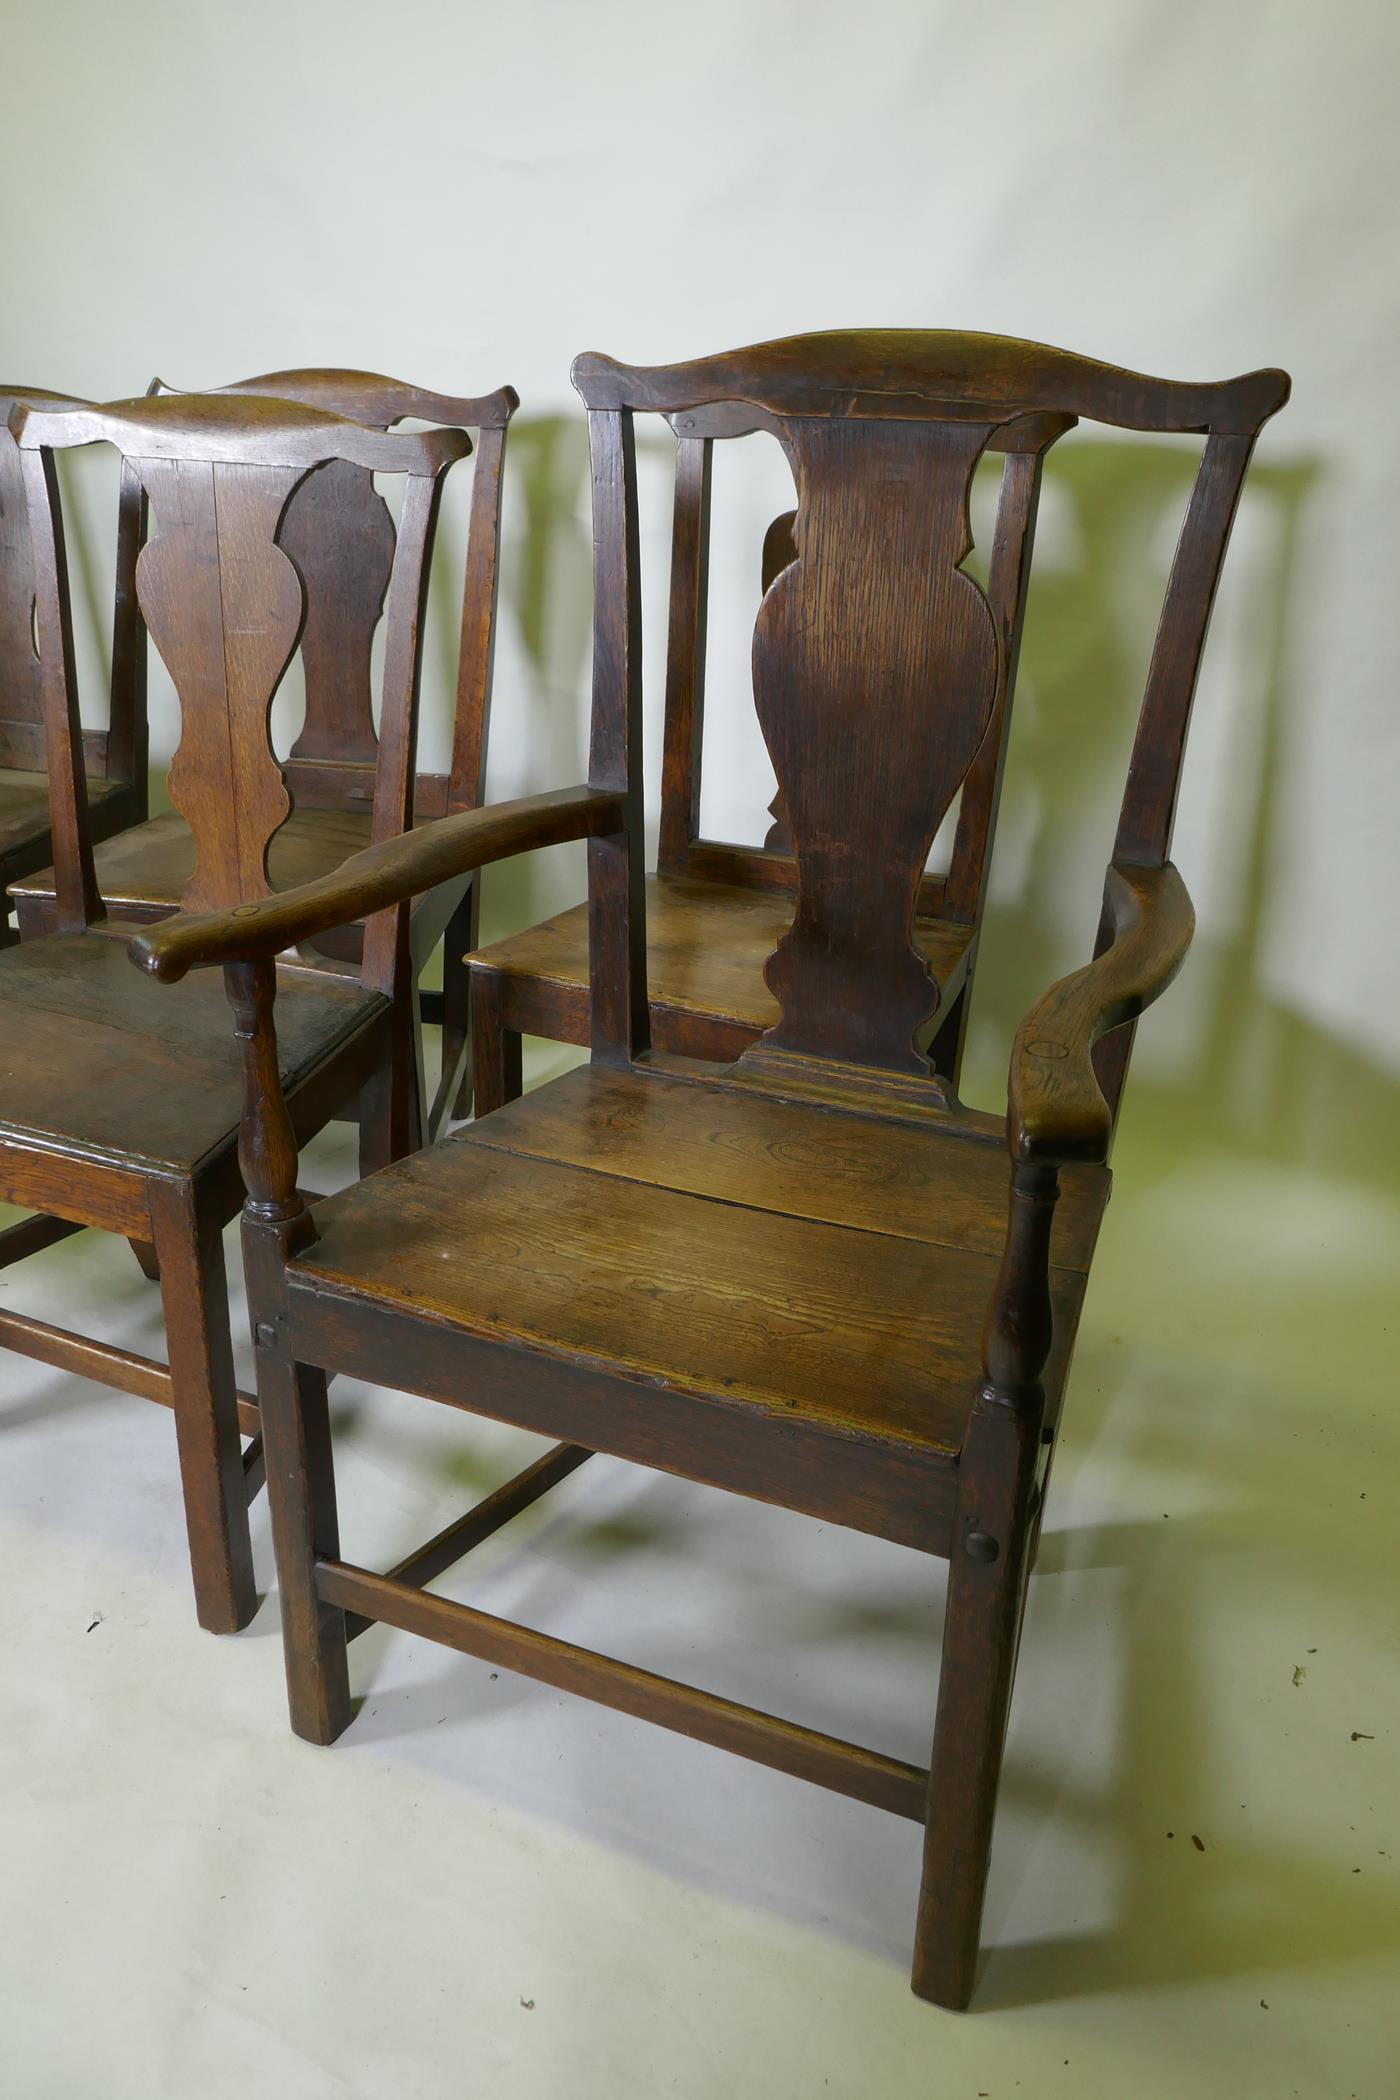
{"points": [[1055, 1110], [382, 875]]}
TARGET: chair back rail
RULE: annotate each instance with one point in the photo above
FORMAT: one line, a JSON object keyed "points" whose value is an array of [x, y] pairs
{"points": [[225, 605], [879, 665]]}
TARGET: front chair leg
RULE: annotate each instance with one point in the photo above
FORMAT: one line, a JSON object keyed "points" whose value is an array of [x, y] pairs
{"points": [[301, 1498], [194, 1295], [291, 1398], [986, 1591], [988, 1563]]}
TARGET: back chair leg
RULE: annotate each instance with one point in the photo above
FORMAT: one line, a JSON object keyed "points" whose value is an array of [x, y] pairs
{"points": [[946, 1049], [456, 1013], [986, 1594], [391, 1106], [146, 1259], [301, 1496], [496, 1072], [194, 1295]]}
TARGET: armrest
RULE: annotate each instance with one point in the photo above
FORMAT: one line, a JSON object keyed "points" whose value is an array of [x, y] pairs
{"points": [[1055, 1109], [386, 874]]}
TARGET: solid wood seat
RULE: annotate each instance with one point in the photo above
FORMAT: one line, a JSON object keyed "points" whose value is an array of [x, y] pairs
{"points": [[809, 1276], [707, 943], [89, 1059], [720, 1267], [24, 808]]}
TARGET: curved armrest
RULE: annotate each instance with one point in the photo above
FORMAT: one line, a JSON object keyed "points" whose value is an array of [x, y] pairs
{"points": [[386, 874], [1055, 1109]]}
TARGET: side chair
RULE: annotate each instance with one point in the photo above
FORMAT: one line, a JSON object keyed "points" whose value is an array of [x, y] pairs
{"points": [[118, 1111], [809, 1276], [339, 533], [115, 756], [715, 911]]}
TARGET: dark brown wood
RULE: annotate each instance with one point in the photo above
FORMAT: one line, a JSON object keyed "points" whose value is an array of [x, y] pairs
{"points": [[707, 943], [797, 1276], [923, 375], [194, 1299], [866, 1775], [1057, 1108], [480, 1523], [841, 638], [545, 991], [685, 655], [993, 1530], [376, 880], [122, 1111], [114, 758], [305, 1531], [103, 1363], [31, 1235], [1007, 583], [616, 872]]}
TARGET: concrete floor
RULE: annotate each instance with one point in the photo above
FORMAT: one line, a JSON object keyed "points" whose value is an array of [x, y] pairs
{"points": [[487, 1889]]}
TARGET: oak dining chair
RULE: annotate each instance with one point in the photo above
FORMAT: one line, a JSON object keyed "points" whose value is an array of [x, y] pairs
{"points": [[810, 1276], [340, 534], [120, 1112], [715, 910], [115, 756]]}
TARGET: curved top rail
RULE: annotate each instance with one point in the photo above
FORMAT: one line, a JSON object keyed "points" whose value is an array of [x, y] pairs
{"points": [[930, 374], [370, 397], [36, 397], [247, 430]]}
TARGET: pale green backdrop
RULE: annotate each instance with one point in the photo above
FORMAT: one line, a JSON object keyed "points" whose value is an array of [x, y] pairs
{"points": [[464, 195]]}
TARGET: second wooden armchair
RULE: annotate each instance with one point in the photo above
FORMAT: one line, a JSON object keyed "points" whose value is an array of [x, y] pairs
{"points": [[339, 533], [117, 1115], [809, 1277]]}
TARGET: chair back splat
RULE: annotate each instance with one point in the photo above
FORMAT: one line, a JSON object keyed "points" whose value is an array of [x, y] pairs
{"points": [[715, 908], [338, 530]]}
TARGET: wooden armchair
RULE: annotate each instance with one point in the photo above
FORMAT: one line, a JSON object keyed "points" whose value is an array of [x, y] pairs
{"points": [[115, 756], [338, 532], [796, 1276], [121, 1112], [716, 911]]}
